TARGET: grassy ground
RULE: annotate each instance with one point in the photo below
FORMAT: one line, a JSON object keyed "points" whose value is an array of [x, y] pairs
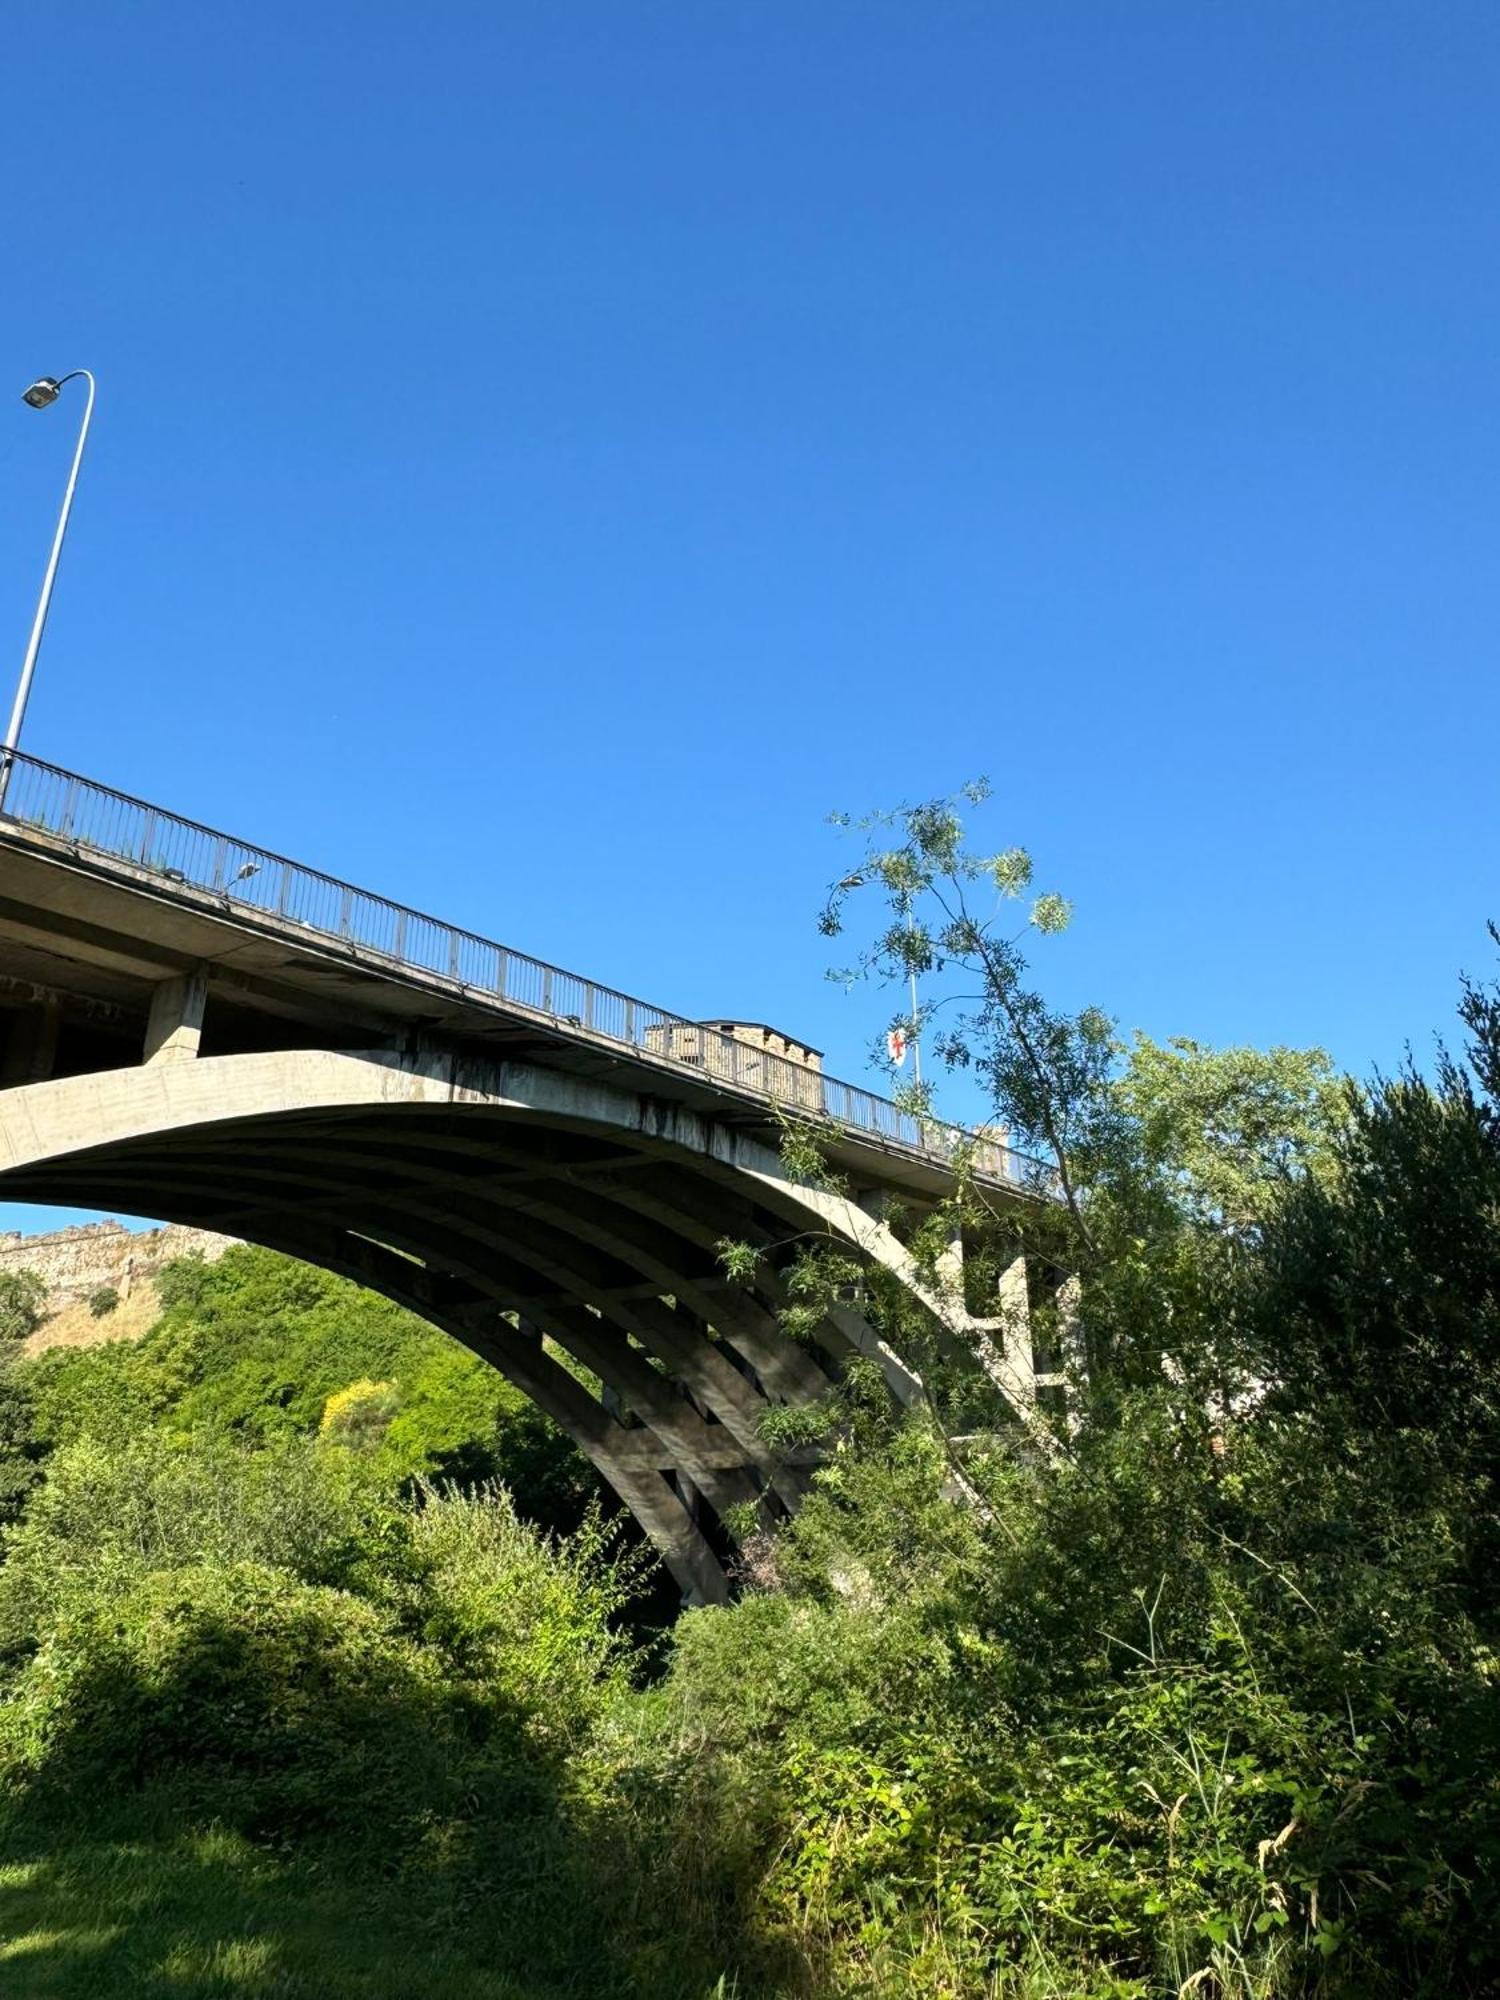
{"points": [[206, 1916]]}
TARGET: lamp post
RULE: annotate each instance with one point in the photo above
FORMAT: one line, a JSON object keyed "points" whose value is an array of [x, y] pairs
{"points": [[40, 395]]}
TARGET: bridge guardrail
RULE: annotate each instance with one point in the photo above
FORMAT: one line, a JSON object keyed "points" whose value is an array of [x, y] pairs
{"points": [[112, 825]]}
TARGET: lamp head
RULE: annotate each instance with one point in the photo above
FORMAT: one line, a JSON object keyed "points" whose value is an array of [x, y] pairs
{"points": [[42, 392]]}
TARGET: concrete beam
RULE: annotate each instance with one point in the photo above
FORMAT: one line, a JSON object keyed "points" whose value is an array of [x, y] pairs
{"points": [[81, 1006]]}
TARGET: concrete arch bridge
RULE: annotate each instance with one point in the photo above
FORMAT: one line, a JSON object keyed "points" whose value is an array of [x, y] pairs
{"points": [[199, 1030]]}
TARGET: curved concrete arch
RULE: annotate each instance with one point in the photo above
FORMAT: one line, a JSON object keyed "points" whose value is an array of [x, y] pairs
{"points": [[588, 1333], [635, 1463], [45, 1122], [476, 1190], [621, 1271], [485, 1245], [224, 1192], [625, 1214]]}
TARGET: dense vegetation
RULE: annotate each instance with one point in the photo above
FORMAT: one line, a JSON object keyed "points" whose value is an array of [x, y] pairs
{"points": [[320, 1674]]}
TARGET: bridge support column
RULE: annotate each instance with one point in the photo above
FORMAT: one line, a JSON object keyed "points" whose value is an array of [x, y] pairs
{"points": [[175, 1026], [950, 1268], [1015, 1324]]}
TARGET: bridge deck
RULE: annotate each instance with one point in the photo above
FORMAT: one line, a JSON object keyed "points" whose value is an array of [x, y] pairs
{"points": [[103, 896]]}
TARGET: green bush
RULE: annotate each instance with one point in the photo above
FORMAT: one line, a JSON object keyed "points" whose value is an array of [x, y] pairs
{"points": [[107, 1515], [23, 1299], [253, 1346], [514, 1617], [272, 1641], [360, 1415], [103, 1302], [287, 1704]]}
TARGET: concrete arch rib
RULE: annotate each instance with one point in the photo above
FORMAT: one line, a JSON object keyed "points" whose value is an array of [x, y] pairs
{"points": [[642, 1487], [599, 1211], [490, 1263], [584, 1205], [44, 1121], [505, 1271], [337, 1183], [574, 1231], [632, 1462], [108, 1138]]}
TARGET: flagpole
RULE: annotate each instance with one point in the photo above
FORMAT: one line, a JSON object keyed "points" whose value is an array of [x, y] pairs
{"points": [[916, 1035], [916, 1032]]}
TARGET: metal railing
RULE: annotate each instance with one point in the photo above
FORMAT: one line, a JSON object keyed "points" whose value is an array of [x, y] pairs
{"points": [[249, 880]]}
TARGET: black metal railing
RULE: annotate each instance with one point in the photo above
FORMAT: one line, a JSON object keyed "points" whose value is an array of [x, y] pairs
{"points": [[110, 826]]}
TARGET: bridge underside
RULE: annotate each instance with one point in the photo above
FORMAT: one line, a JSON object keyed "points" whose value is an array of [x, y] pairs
{"points": [[566, 1234]]}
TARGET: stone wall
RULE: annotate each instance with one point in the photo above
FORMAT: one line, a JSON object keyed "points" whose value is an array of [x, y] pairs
{"points": [[76, 1263]]}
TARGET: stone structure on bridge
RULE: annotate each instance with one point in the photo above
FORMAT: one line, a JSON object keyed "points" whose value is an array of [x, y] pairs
{"points": [[195, 1029], [789, 1070]]}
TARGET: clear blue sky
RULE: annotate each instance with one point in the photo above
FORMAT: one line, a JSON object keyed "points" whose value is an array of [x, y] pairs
{"points": [[547, 456]]}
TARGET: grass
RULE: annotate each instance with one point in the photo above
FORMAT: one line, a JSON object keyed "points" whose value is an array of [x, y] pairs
{"points": [[202, 1914]]}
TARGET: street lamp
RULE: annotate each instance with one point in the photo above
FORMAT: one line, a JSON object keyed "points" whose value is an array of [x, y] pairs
{"points": [[43, 392]]}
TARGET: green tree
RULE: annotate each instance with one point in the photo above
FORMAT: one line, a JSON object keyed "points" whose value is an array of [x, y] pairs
{"points": [[1377, 1298], [23, 1298], [1229, 1130], [1163, 1155], [949, 914]]}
